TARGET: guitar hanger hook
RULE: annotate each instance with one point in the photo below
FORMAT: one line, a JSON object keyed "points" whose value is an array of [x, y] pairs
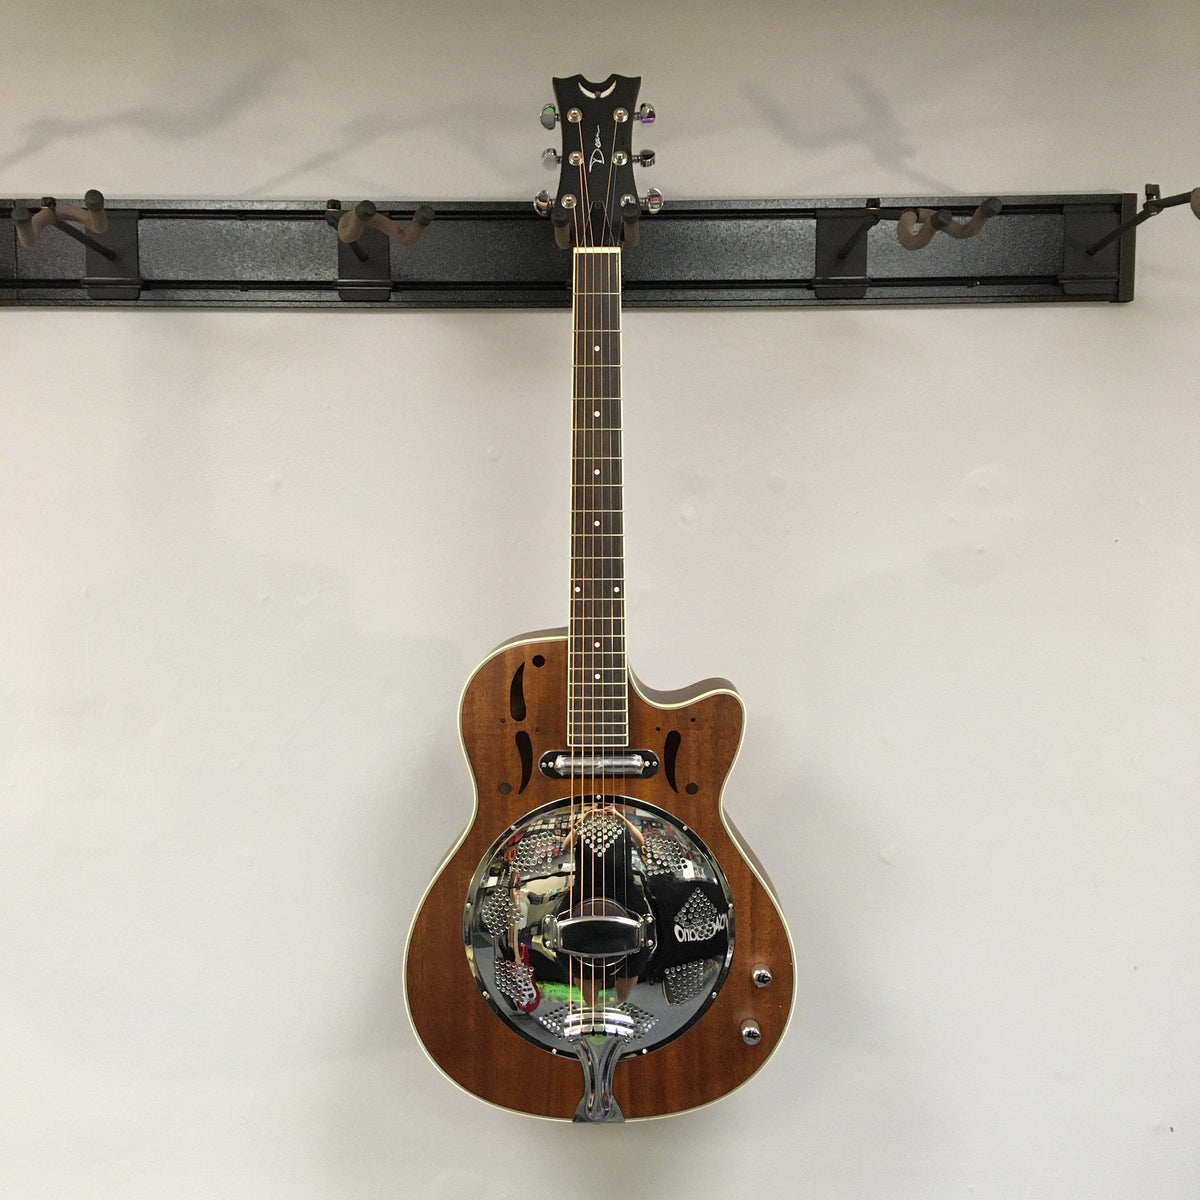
{"points": [[364, 215], [31, 225], [916, 227]]}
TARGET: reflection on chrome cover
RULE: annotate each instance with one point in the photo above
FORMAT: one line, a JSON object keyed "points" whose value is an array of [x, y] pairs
{"points": [[599, 926]]}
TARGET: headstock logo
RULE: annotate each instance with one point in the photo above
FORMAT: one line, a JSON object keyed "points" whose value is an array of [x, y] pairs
{"points": [[597, 156]]}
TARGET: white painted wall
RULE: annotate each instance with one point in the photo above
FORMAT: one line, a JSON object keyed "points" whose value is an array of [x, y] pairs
{"points": [[950, 558]]}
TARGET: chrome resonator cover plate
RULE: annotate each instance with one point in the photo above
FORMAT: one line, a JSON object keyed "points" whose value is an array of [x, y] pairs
{"points": [[600, 917]]}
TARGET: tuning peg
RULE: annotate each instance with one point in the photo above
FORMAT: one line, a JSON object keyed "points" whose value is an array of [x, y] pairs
{"points": [[653, 200], [542, 203], [551, 158], [549, 116], [645, 114], [644, 158]]}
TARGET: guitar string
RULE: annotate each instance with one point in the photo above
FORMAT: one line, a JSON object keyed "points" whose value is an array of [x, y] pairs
{"points": [[608, 443], [587, 877], [592, 320], [587, 313], [603, 565], [587, 263], [614, 540], [599, 374], [592, 302], [574, 830], [572, 826], [599, 707], [612, 176], [577, 614]]}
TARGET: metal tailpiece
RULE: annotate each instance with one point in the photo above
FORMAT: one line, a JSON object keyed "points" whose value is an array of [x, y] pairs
{"points": [[598, 1054]]}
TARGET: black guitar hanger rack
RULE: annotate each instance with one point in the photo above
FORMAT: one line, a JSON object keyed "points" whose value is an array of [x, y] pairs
{"points": [[482, 254]]}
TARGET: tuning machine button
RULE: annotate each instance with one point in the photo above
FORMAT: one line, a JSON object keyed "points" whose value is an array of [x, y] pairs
{"points": [[644, 158], [652, 201], [549, 116], [542, 204], [551, 158], [645, 114]]}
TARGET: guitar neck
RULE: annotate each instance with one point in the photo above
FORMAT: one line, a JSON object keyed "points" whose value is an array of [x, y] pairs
{"points": [[597, 693]]}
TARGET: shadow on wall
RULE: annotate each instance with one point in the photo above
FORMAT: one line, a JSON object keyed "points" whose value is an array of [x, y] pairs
{"points": [[211, 63], [199, 69], [875, 127]]}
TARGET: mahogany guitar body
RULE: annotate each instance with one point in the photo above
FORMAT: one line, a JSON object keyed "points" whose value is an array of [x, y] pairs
{"points": [[513, 713]]}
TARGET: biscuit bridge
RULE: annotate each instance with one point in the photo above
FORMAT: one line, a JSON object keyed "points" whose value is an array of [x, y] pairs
{"points": [[619, 764]]}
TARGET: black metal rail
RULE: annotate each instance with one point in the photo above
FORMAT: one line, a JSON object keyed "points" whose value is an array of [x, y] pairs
{"points": [[692, 254]]}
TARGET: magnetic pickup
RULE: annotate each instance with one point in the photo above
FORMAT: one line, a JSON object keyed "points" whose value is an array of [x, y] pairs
{"points": [[624, 764]]}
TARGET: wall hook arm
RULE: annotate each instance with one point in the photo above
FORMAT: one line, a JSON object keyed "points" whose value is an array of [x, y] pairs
{"points": [[1153, 206]]}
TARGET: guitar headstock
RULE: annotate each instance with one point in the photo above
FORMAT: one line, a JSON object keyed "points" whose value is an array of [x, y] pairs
{"points": [[597, 202]]}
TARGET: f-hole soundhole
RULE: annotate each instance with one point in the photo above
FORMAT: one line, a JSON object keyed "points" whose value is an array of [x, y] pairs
{"points": [[670, 753], [516, 695], [525, 750]]}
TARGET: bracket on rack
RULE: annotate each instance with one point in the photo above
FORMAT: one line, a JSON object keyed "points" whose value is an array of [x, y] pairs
{"points": [[364, 253], [1093, 265], [111, 269], [841, 270], [841, 253]]}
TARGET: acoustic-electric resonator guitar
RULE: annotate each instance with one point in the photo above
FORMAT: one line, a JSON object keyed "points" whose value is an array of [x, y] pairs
{"points": [[599, 911]]}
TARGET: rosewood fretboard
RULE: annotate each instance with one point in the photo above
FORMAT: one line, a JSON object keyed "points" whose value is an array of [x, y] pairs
{"points": [[597, 695]]}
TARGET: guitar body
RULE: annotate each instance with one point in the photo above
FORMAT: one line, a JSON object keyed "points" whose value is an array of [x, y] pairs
{"points": [[514, 711]]}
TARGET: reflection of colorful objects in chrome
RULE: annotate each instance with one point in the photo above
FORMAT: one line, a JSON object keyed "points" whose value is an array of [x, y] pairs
{"points": [[604, 919]]}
